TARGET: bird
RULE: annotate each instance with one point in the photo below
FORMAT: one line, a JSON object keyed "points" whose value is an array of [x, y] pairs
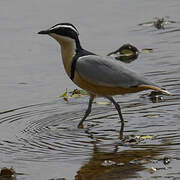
{"points": [[102, 76], [126, 53]]}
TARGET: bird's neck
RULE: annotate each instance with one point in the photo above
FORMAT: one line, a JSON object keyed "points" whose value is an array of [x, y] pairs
{"points": [[69, 48], [68, 51]]}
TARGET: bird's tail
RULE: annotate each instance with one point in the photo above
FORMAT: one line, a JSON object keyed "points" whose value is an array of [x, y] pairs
{"points": [[163, 91]]}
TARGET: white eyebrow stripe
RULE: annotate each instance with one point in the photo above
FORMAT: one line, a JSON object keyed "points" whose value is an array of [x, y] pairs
{"points": [[65, 26]]}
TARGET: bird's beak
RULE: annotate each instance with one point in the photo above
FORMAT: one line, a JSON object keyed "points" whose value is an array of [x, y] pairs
{"points": [[44, 31]]}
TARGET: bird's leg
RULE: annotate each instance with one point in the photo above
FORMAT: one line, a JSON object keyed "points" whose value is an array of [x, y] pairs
{"points": [[118, 108], [88, 111]]}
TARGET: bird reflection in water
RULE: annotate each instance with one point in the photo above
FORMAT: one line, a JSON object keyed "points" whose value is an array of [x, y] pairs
{"points": [[127, 53], [115, 164]]}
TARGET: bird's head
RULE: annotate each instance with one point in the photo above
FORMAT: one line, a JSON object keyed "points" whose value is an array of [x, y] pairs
{"points": [[63, 33]]}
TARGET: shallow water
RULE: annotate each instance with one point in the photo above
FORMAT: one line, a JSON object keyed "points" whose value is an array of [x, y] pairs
{"points": [[39, 137]]}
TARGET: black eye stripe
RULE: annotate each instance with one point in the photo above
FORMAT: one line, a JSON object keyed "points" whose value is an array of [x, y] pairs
{"points": [[64, 24], [65, 31], [63, 27]]}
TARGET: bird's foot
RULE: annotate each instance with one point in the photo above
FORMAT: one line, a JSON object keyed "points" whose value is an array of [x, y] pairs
{"points": [[80, 126]]}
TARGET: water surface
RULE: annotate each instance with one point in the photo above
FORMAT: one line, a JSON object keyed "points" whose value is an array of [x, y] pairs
{"points": [[38, 130]]}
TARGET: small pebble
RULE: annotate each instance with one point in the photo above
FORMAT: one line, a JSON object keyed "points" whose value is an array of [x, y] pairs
{"points": [[166, 160], [108, 163]]}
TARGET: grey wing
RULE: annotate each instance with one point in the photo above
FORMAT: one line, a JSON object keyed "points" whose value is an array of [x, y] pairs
{"points": [[106, 71]]}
